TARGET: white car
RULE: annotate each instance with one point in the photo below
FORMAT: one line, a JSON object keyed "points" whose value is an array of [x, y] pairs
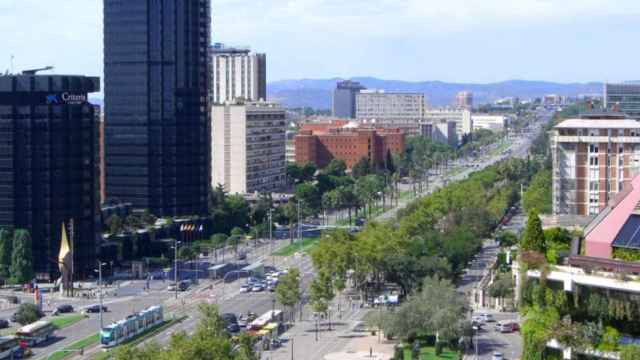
{"points": [[487, 317], [477, 319], [497, 356], [245, 288], [257, 288]]}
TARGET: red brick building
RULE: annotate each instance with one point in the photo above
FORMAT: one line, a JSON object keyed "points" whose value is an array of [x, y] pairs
{"points": [[321, 143]]}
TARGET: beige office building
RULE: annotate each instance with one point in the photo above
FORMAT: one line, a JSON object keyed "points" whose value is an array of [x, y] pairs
{"points": [[462, 118], [593, 158], [248, 149], [237, 73], [391, 109]]}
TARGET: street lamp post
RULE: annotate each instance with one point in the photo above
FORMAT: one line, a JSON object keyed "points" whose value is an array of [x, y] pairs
{"points": [[175, 268], [100, 264]]}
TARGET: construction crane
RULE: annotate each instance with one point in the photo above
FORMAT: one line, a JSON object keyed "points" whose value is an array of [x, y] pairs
{"points": [[34, 71]]}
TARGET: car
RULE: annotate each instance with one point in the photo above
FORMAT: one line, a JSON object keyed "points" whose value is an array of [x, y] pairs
{"points": [[171, 287], [477, 319], [245, 288], [95, 308], [184, 285], [487, 317], [4, 323], [230, 323], [497, 356], [64, 308], [257, 288]]}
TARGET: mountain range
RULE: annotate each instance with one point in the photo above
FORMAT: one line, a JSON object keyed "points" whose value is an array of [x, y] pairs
{"points": [[317, 93]]}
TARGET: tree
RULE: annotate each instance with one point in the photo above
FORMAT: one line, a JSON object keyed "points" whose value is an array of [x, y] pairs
{"points": [[21, 257], [321, 292], [218, 239], [335, 168], [186, 253], [437, 310], [308, 194], [502, 287], [288, 290], [308, 171], [361, 168], [6, 245], [115, 225], [533, 237], [237, 231], [27, 313], [630, 352], [389, 165]]}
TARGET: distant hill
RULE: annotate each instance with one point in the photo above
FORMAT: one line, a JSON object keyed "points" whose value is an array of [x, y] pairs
{"points": [[316, 93]]}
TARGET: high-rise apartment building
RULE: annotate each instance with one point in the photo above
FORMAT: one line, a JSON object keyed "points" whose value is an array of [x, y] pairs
{"points": [[49, 166], [403, 110], [594, 157], [249, 142], [623, 97], [464, 100], [344, 99], [157, 137], [238, 73], [462, 118]]}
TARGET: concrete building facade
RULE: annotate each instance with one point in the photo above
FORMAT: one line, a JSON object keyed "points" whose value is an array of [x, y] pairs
{"points": [[623, 97], [594, 157], [462, 118], [238, 73], [403, 110], [248, 148], [489, 122], [445, 132], [349, 144], [344, 99]]}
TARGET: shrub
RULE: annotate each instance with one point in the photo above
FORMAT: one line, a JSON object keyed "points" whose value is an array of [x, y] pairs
{"points": [[27, 314], [610, 339], [630, 352], [439, 348]]}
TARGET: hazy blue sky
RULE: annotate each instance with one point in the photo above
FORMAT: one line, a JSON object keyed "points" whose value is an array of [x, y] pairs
{"points": [[449, 40]]}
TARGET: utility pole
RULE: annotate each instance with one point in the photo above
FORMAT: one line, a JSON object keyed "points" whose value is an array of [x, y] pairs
{"points": [[100, 291], [273, 259], [299, 232]]}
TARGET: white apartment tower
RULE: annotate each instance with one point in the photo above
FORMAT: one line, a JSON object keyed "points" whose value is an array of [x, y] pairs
{"points": [[237, 74], [248, 150]]}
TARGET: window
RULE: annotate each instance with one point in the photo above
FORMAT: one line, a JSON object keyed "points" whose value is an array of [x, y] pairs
{"points": [[593, 160], [593, 148]]}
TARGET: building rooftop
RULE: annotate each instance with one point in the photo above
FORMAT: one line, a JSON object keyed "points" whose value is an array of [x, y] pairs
{"points": [[608, 228], [598, 123]]}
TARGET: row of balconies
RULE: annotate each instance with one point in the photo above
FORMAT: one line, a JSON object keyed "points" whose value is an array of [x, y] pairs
{"points": [[597, 139]]}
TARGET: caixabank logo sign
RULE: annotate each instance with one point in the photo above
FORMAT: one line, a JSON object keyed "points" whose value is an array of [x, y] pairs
{"points": [[66, 98]]}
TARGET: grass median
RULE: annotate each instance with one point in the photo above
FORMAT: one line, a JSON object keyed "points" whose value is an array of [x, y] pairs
{"points": [[62, 322], [429, 353], [75, 348], [306, 246]]}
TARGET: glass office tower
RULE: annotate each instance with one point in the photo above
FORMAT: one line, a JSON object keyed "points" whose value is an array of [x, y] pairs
{"points": [[157, 136], [49, 166]]}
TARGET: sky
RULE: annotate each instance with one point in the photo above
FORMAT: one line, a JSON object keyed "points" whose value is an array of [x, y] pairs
{"points": [[469, 41]]}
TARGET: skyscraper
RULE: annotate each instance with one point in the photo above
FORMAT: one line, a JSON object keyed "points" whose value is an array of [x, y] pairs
{"points": [[238, 73], [344, 99], [49, 166], [156, 65]]}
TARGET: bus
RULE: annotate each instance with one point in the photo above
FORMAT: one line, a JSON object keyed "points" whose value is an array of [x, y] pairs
{"points": [[35, 333], [264, 319], [123, 330], [10, 348]]}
